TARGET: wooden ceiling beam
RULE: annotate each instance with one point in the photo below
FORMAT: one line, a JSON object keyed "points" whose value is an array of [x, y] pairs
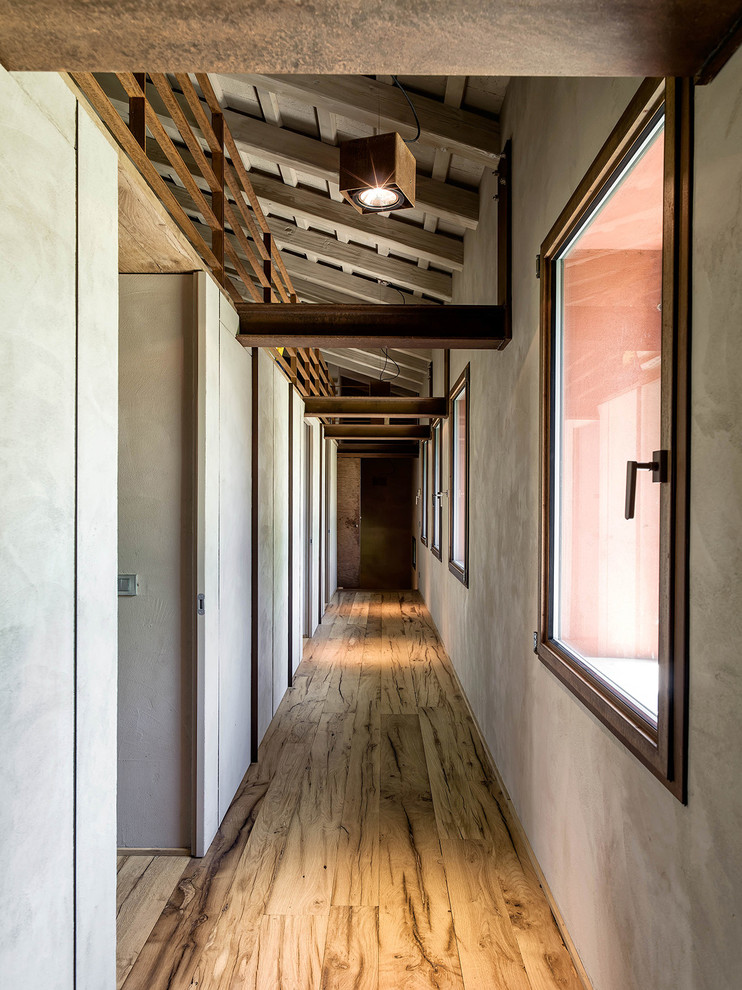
{"points": [[541, 38], [353, 431], [397, 448], [405, 360], [290, 150], [352, 287], [378, 104], [353, 364], [305, 154], [373, 326], [376, 407], [438, 249], [364, 260], [316, 244]]}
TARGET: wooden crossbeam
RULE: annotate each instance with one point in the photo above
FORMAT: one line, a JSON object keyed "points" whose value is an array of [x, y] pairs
{"points": [[379, 104], [376, 407], [306, 325], [307, 154], [364, 432], [361, 259]]}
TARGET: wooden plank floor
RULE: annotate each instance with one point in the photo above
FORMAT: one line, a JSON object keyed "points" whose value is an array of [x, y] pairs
{"points": [[366, 849], [144, 885]]}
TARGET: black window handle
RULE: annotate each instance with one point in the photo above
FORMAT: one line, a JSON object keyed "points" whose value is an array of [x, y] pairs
{"points": [[658, 467]]}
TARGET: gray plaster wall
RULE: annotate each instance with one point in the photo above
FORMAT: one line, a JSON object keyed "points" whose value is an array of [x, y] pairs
{"points": [[97, 523], [58, 278], [203, 405], [157, 473], [649, 888], [330, 518], [297, 543], [235, 474], [266, 546], [315, 585], [281, 398], [273, 616]]}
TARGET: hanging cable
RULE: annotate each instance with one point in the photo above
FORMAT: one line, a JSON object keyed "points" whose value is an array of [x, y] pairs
{"points": [[387, 359], [414, 111]]}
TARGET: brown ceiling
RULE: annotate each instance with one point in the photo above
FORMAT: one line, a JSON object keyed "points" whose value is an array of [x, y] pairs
{"points": [[464, 37]]}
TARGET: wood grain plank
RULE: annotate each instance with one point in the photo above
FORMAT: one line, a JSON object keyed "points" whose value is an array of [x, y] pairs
{"points": [[128, 876], [288, 955], [352, 949], [304, 877], [417, 943], [357, 872], [141, 904], [471, 816], [343, 687], [358, 811], [425, 653], [208, 930], [488, 947], [359, 611], [397, 685]]}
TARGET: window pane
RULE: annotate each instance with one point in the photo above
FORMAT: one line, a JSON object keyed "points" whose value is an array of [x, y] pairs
{"points": [[424, 508], [458, 550], [436, 487], [608, 333]]}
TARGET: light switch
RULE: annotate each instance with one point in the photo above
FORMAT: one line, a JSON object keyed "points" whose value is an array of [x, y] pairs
{"points": [[128, 585]]}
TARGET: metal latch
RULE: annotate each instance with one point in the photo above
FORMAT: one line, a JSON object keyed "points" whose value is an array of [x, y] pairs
{"points": [[658, 467], [201, 605]]}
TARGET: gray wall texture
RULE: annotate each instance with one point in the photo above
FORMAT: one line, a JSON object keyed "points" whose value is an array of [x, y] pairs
{"points": [[58, 265], [649, 889]]}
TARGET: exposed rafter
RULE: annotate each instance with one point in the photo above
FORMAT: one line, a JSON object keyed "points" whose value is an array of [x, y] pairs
{"points": [[289, 149], [355, 258], [375, 407], [353, 431], [365, 367], [373, 326], [378, 104], [276, 197]]}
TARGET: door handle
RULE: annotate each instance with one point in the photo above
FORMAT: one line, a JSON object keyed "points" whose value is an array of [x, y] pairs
{"points": [[658, 467]]}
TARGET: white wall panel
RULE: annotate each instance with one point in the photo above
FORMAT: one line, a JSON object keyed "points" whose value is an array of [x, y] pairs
{"points": [[97, 552], [235, 461], [265, 548], [298, 538], [205, 391], [280, 535], [37, 536]]}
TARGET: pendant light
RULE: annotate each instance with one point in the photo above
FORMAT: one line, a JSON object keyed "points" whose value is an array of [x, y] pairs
{"points": [[377, 174]]}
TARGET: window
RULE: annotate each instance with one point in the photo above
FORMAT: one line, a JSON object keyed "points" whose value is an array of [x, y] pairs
{"points": [[424, 491], [614, 439], [437, 494], [458, 560]]}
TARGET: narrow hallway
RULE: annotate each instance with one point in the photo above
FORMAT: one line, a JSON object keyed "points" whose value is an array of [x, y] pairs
{"points": [[366, 848]]}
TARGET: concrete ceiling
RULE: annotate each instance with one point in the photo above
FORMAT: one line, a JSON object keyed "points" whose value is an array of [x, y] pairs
{"points": [[462, 37]]}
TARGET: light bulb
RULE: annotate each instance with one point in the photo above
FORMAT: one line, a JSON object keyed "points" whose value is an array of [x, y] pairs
{"points": [[379, 198]]}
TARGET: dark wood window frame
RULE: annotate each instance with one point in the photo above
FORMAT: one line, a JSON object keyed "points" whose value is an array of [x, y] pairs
{"points": [[424, 490], [663, 749], [436, 495], [462, 385]]}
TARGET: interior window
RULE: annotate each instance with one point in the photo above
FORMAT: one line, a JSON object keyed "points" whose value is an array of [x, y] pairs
{"points": [[614, 310], [424, 491], [459, 495], [437, 494]]}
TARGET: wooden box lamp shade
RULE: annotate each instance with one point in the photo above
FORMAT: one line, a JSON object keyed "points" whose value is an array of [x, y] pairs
{"points": [[377, 174]]}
